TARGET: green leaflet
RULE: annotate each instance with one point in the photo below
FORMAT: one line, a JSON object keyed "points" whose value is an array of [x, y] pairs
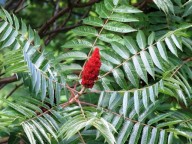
{"points": [[130, 44], [110, 58], [151, 38], [154, 136], [102, 11], [118, 27], [72, 55], [155, 57], [119, 77], [109, 38], [130, 73], [124, 132], [188, 9], [141, 39], [79, 43], [126, 9], [136, 133], [139, 67], [85, 31], [136, 102], [93, 21], [162, 50], [126, 98], [166, 6], [148, 63], [123, 18], [29, 133], [120, 50], [171, 46], [145, 135], [176, 41], [163, 137], [115, 2]]}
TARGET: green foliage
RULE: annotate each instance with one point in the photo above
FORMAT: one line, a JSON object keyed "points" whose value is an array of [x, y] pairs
{"points": [[142, 95]]}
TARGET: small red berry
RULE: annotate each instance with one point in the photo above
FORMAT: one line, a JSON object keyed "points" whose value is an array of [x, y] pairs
{"points": [[91, 69]]}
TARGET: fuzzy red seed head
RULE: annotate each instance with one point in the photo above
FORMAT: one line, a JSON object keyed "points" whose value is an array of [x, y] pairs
{"points": [[91, 69]]}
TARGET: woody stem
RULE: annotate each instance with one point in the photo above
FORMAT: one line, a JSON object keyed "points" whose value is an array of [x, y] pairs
{"points": [[76, 97]]}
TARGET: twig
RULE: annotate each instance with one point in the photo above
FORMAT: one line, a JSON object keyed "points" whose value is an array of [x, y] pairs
{"points": [[17, 8], [185, 61], [120, 115], [52, 33], [62, 28], [71, 101], [81, 138], [16, 87], [52, 20], [71, 5], [72, 89], [55, 12], [20, 9]]}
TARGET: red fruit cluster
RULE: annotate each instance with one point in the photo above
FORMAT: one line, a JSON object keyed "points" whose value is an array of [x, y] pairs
{"points": [[91, 69]]}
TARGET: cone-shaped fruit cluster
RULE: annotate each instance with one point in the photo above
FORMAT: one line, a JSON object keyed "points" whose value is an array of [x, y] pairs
{"points": [[91, 69]]}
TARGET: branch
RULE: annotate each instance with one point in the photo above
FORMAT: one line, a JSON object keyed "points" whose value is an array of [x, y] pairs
{"points": [[18, 7], [70, 6], [8, 79], [54, 32], [52, 20], [63, 29], [91, 2], [14, 5]]}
